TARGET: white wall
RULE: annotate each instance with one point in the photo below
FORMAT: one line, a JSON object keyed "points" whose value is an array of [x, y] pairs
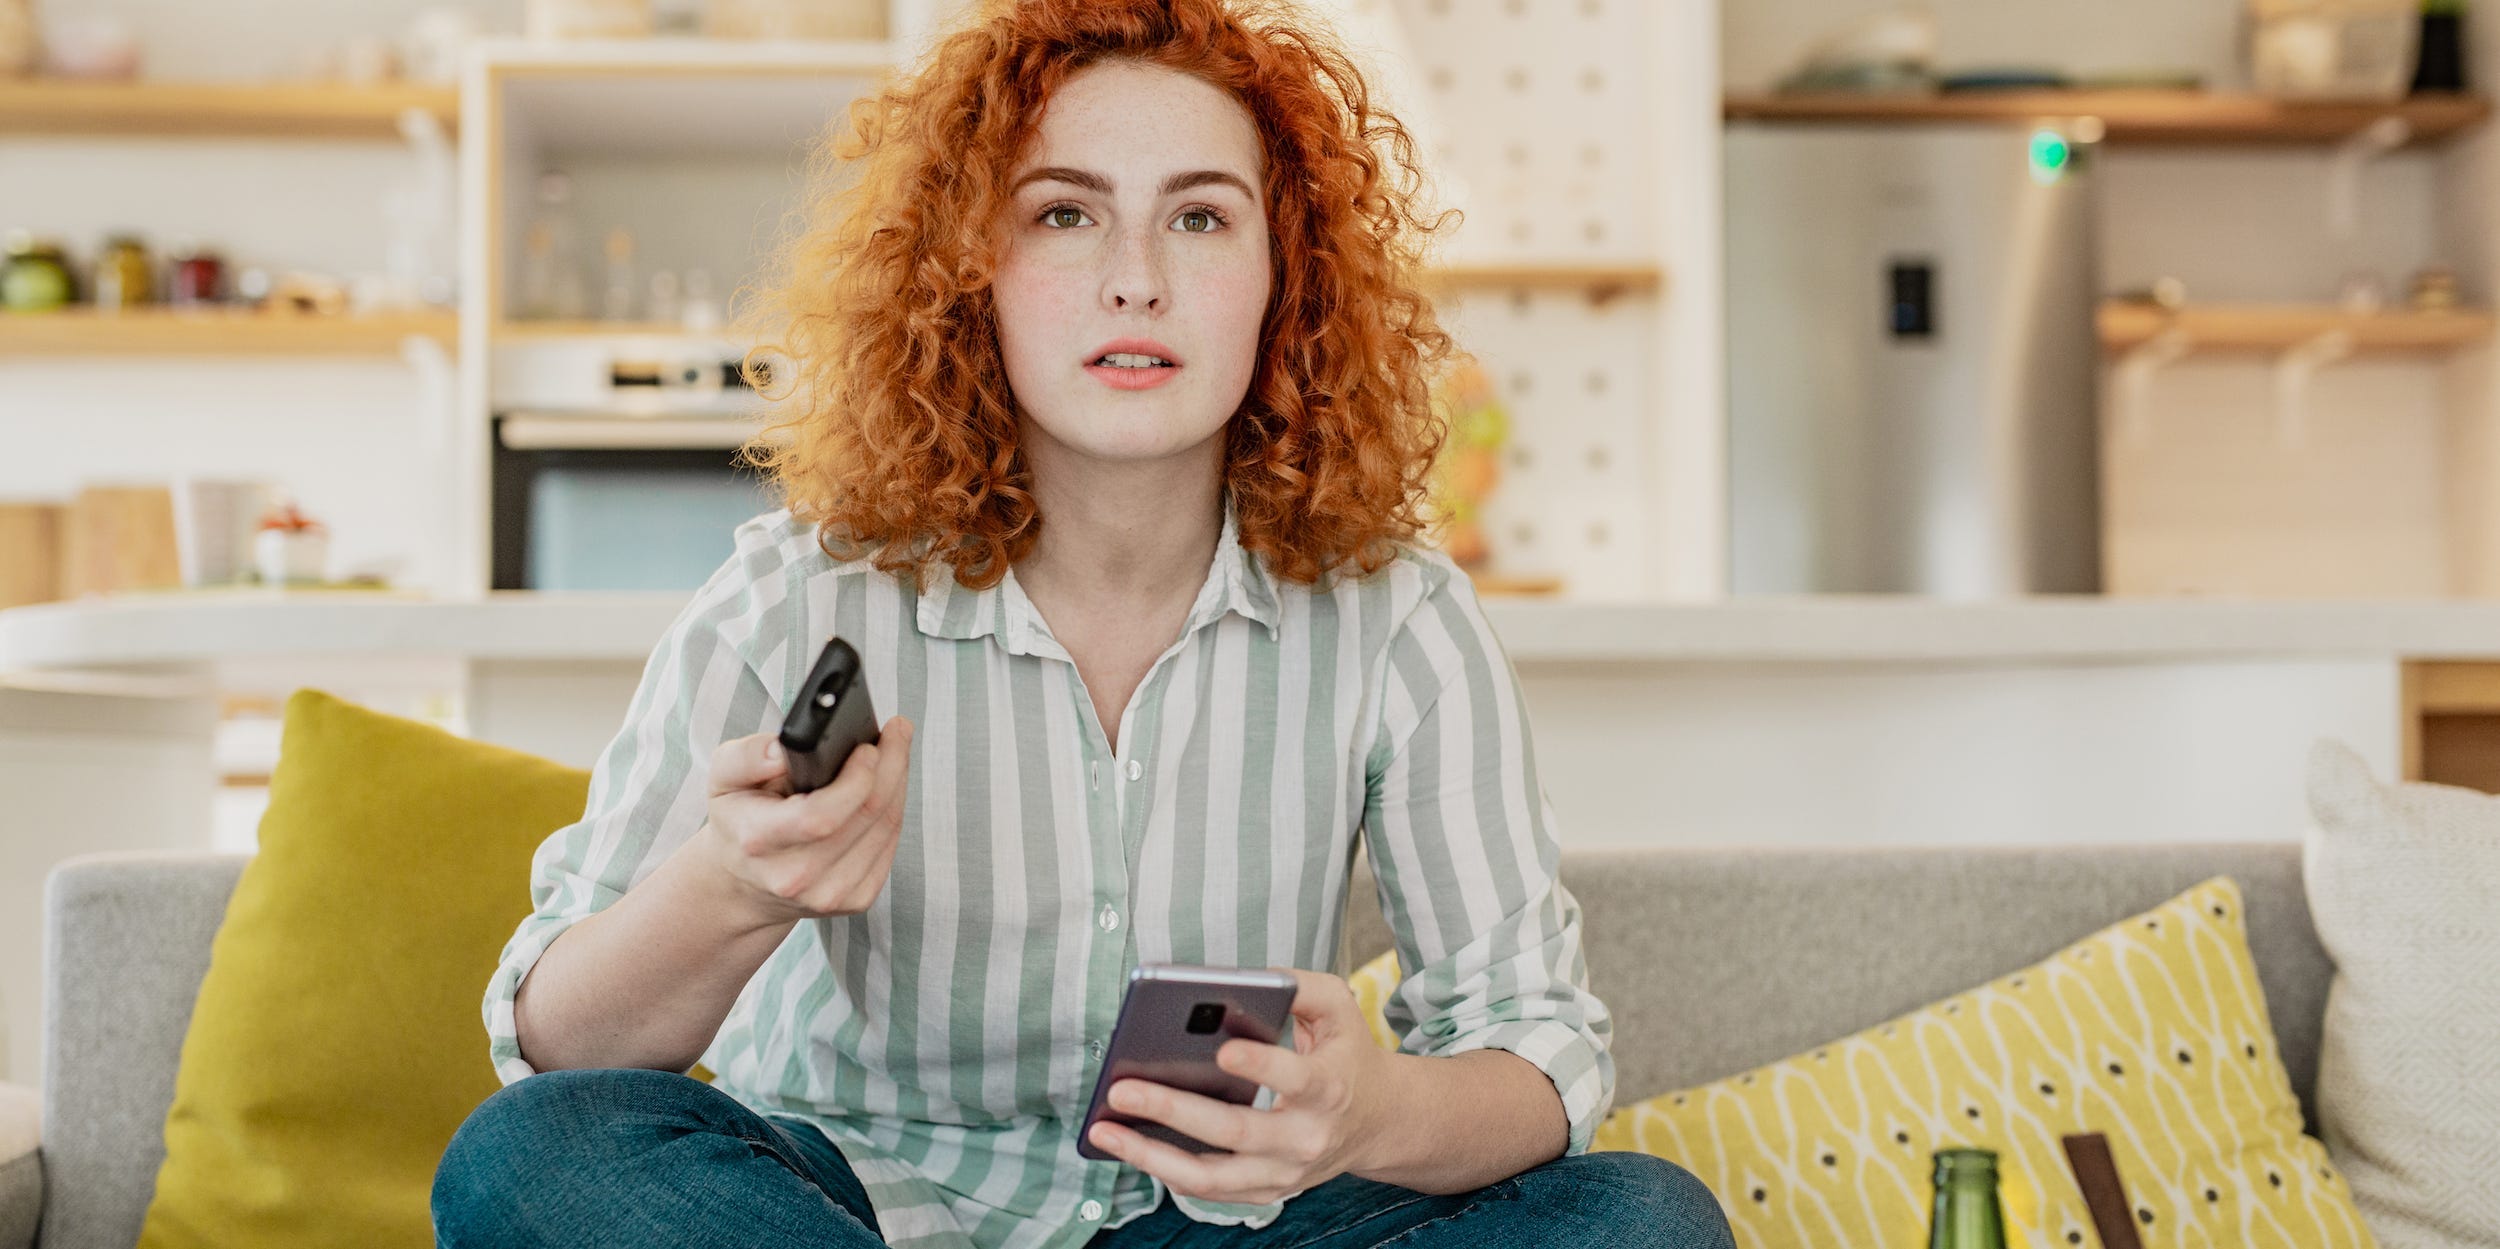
{"points": [[1839, 754], [1763, 39]]}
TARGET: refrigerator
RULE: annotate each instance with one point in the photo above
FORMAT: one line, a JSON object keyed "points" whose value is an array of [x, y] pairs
{"points": [[1912, 363]]}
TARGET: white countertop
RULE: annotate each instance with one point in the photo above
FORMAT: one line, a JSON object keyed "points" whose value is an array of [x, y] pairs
{"points": [[179, 629]]}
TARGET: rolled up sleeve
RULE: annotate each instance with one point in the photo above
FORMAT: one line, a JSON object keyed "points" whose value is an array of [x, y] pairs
{"points": [[649, 787], [1462, 846]]}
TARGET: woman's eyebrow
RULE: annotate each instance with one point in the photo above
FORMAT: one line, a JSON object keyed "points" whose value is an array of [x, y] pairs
{"points": [[1101, 185]]}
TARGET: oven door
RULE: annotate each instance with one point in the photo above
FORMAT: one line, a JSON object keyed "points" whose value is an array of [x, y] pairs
{"points": [[600, 503]]}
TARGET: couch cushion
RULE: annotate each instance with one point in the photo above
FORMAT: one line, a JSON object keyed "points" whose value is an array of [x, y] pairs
{"points": [[2405, 880], [21, 1165], [2152, 1032], [1715, 959], [336, 1044]]}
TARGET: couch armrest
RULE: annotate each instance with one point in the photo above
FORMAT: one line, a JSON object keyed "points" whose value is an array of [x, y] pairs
{"points": [[21, 1165], [126, 943]]}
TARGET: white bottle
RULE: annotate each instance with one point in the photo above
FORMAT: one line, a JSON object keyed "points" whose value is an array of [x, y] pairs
{"points": [[618, 302], [551, 276]]}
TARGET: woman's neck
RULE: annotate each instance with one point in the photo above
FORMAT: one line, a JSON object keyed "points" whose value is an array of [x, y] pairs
{"points": [[1136, 533]]}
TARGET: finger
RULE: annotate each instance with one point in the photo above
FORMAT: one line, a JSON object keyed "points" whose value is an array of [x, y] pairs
{"points": [[1245, 1178], [1295, 1077], [890, 787], [803, 818], [894, 765], [1224, 1125], [865, 854], [871, 880], [749, 762], [1319, 998]]}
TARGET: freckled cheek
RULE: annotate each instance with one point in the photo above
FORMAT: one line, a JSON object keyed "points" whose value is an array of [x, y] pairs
{"points": [[1034, 305], [1231, 305]]}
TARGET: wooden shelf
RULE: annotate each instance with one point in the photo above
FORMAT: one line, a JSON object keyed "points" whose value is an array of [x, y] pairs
{"points": [[2144, 116], [274, 110], [1600, 279], [213, 331], [2273, 327], [601, 329]]}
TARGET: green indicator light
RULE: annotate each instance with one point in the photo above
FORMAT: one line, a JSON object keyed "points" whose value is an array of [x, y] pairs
{"points": [[2049, 154]]}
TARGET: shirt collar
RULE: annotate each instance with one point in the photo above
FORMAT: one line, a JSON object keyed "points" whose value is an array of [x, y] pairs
{"points": [[1237, 581]]}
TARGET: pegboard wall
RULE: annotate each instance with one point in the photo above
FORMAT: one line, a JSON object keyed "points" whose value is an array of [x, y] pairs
{"points": [[1540, 109]]}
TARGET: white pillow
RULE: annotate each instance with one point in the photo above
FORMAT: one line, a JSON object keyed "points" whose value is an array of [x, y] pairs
{"points": [[2404, 886]]}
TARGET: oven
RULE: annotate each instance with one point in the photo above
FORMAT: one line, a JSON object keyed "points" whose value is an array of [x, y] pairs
{"points": [[614, 466]]}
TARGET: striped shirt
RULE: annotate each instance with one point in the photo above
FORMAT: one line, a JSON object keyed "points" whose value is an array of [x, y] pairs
{"points": [[947, 1040]]}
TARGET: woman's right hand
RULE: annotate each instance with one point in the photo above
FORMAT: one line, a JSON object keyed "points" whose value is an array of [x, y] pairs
{"points": [[803, 856]]}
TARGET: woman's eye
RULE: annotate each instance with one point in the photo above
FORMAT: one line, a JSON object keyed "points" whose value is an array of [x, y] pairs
{"points": [[1211, 219], [1048, 214]]}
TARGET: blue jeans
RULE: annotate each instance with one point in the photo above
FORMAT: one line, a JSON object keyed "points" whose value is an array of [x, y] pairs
{"points": [[620, 1157]]}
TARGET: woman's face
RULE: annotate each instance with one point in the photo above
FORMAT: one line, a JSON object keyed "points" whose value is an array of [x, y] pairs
{"points": [[1137, 214]]}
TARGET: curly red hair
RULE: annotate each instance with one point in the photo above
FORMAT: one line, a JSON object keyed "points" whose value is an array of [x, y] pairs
{"points": [[901, 438]]}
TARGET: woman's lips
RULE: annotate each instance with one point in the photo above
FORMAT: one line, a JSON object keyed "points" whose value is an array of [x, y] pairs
{"points": [[1133, 379]]}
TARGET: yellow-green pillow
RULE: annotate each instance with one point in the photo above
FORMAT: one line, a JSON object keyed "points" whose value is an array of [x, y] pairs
{"points": [[1371, 984], [2152, 1031], [1835, 1146], [336, 1043]]}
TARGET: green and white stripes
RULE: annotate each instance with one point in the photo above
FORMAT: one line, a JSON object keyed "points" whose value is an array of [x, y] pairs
{"points": [[947, 1039]]}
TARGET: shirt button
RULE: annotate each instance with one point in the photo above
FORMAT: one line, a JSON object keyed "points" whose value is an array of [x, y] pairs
{"points": [[1135, 769], [1110, 919], [1094, 1048], [1090, 1211]]}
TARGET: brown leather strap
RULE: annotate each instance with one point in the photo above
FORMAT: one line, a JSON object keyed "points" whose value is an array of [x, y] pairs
{"points": [[2096, 1173]]}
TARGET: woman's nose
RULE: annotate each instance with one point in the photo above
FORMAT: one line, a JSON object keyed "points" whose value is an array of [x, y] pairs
{"points": [[1133, 276]]}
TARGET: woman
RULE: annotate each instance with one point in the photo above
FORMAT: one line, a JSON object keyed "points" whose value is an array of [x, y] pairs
{"points": [[1110, 420]]}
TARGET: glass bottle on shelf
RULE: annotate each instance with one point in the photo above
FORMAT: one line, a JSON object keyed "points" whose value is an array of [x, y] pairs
{"points": [[125, 275], [664, 303], [551, 276], [701, 314], [618, 304]]}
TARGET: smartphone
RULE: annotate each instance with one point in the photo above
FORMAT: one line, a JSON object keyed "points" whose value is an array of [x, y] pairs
{"points": [[829, 717], [1172, 1021]]}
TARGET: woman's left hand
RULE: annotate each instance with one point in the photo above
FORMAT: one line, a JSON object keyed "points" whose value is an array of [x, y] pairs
{"points": [[1330, 1094]]}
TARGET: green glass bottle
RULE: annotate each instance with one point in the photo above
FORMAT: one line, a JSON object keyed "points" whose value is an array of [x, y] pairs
{"points": [[1967, 1213]]}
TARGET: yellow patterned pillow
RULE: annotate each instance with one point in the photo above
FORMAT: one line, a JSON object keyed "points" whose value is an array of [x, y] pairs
{"points": [[2152, 1031], [1371, 984]]}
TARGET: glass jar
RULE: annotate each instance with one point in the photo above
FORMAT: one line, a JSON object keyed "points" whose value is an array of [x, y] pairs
{"points": [[35, 277], [198, 276], [125, 276]]}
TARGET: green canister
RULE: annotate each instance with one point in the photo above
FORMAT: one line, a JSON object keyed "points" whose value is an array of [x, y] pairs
{"points": [[35, 278]]}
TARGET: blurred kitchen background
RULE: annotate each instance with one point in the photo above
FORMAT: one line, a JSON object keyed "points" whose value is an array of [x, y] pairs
{"points": [[1981, 420]]}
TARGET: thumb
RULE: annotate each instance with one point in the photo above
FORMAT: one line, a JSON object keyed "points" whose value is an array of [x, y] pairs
{"points": [[750, 762]]}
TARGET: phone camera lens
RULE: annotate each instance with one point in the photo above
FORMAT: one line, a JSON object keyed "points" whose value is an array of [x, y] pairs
{"points": [[1205, 1017]]}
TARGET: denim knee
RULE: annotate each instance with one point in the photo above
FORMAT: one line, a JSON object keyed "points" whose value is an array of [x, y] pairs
{"points": [[529, 1135], [1642, 1200]]}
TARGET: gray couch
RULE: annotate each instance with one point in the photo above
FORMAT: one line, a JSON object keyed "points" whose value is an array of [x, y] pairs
{"points": [[1714, 960]]}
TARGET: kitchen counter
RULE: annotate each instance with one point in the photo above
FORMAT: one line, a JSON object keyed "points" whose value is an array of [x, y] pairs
{"points": [[1830, 721], [1803, 719], [177, 630]]}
